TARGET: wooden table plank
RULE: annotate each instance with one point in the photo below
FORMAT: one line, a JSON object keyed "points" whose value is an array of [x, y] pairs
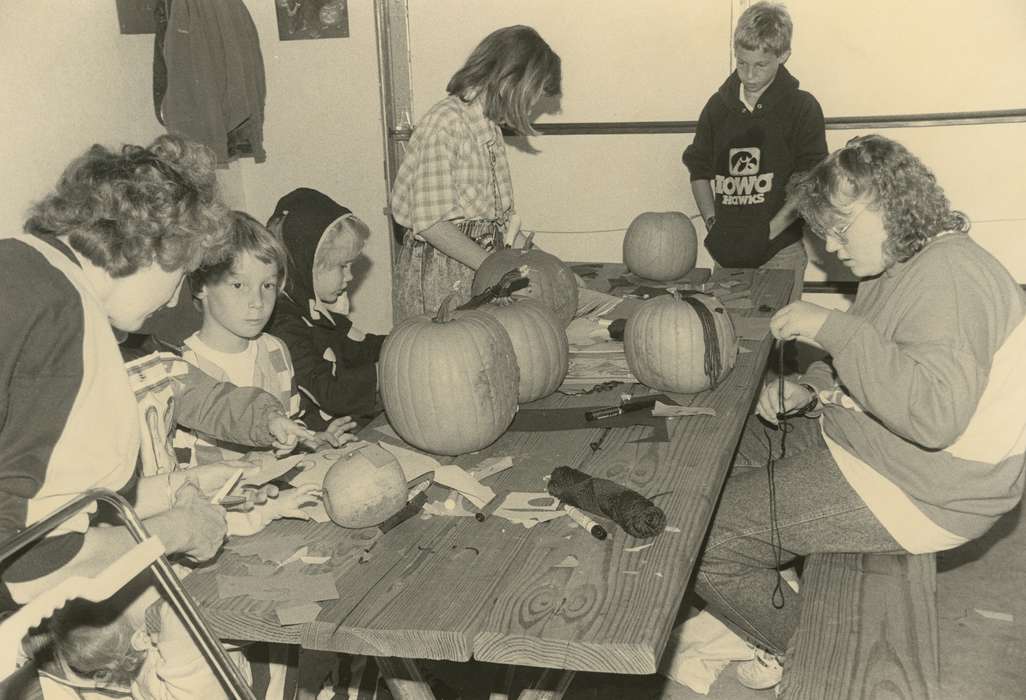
{"points": [[453, 588]]}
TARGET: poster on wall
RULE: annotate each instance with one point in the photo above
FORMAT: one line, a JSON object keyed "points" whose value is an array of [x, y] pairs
{"points": [[312, 19]]}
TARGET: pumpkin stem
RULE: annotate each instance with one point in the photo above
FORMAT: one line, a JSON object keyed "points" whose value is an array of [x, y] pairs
{"points": [[445, 311], [528, 241]]}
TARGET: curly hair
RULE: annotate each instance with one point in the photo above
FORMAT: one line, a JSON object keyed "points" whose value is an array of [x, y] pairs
{"points": [[244, 235], [891, 180], [123, 211], [511, 69]]}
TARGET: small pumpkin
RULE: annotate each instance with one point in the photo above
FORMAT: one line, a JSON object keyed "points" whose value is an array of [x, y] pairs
{"points": [[680, 343], [364, 488], [539, 343], [552, 282], [449, 383], [660, 245]]}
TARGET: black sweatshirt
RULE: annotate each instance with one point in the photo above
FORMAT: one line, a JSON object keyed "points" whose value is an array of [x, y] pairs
{"points": [[749, 158]]}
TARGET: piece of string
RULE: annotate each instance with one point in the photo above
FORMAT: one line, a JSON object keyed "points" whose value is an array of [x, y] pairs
{"points": [[777, 597], [712, 340]]}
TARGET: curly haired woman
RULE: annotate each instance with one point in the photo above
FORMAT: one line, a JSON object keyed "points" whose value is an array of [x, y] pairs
{"points": [[920, 438], [109, 246]]}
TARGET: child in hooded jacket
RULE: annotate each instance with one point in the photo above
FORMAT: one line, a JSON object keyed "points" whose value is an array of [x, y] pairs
{"points": [[754, 134], [334, 362]]}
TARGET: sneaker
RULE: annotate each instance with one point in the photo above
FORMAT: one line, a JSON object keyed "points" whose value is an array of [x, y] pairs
{"points": [[762, 672]]}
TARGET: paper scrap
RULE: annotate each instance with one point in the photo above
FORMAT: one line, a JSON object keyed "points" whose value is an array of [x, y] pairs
{"points": [[638, 548], [750, 327], [491, 466], [992, 615], [569, 562], [529, 501], [662, 409], [457, 478], [314, 560], [297, 614], [273, 550], [296, 556], [414, 464], [672, 528]]}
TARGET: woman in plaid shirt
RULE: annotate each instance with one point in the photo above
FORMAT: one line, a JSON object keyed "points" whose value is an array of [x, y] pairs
{"points": [[453, 192]]}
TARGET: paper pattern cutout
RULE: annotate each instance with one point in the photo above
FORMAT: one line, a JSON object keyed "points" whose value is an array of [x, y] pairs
{"points": [[297, 614]]}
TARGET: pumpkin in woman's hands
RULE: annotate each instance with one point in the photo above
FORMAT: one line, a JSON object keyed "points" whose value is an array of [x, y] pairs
{"points": [[552, 282], [449, 383], [539, 343], [364, 488], [660, 245], [680, 343]]}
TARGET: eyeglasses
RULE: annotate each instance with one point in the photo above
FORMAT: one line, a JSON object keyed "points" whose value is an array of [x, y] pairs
{"points": [[838, 233]]}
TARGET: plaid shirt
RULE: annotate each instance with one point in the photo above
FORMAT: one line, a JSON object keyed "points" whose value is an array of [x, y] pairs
{"points": [[454, 169]]}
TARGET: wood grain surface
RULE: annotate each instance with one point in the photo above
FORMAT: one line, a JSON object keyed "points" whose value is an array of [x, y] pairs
{"points": [[456, 588], [868, 629]]}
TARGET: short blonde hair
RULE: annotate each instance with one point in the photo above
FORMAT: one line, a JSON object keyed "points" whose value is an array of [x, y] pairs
{"points": [[765, 26], [341, 242]]}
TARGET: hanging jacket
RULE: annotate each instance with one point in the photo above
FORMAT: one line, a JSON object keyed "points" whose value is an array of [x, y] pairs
{"points": [[215, 77], [334, 363], [748, 157]]}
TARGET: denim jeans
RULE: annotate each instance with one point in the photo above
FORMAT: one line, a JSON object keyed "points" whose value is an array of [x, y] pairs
{"points": [[817, 511], [794, 258]]}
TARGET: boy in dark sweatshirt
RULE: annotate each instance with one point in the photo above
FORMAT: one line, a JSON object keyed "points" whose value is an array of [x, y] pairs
{"points": [[335, 363], [753, 135]]}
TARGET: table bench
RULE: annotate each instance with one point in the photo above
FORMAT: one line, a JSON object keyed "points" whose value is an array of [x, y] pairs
{"points": [[868, 629]]}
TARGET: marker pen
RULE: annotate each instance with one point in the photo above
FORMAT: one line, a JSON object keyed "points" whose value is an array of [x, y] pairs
{"points": [[578, 516]]}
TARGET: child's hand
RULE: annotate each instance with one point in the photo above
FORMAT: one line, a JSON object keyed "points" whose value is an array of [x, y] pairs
{"points": [[287, 432], [335, 435], [289, 504], [209, 478]]}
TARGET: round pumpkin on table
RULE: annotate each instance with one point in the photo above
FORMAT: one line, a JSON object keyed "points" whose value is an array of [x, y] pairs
{"points": [[364, 488], [660, 246], [552, 282], [539, 344], [449, 383], [680, 343]]}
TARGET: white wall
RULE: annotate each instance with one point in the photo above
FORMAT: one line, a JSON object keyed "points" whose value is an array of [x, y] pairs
{"points": [[661, 59], [323, 130], [68, 79]]}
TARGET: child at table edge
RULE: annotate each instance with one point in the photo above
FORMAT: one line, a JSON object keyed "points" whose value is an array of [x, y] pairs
{"points": [[758, 129]]}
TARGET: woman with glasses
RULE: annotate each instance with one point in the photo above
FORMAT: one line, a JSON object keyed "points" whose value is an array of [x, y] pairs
{"points": [[919, 441]]}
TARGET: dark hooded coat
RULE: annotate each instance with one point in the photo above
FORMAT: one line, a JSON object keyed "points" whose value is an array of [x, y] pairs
{"points": [[346, 386]]}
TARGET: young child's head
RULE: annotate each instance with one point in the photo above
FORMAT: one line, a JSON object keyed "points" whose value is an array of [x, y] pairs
{"points": [[762, 43], [510, 70], [91, 644], [341, 243], [238, 293]]}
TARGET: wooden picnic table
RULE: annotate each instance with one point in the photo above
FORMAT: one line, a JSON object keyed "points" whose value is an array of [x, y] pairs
{"points": [[551, 596]]}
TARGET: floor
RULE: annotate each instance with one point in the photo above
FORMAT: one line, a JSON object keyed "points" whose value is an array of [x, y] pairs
{"points": [[982, 614]]}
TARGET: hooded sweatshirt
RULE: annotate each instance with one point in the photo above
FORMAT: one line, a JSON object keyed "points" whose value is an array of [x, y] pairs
{"points": [[335, 372], [749, 157]]}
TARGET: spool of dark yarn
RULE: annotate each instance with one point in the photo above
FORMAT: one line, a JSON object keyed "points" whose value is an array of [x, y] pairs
{"points": [[637, 515]]}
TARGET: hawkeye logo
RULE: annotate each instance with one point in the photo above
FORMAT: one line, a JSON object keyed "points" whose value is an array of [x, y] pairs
{"points": [[744, 185]]}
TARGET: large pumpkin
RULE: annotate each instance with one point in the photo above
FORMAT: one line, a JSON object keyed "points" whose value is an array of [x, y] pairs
{"points": [[539, 343], [680, 343], [449, 383], [364, 488], [551, 280], [660, 245]]}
